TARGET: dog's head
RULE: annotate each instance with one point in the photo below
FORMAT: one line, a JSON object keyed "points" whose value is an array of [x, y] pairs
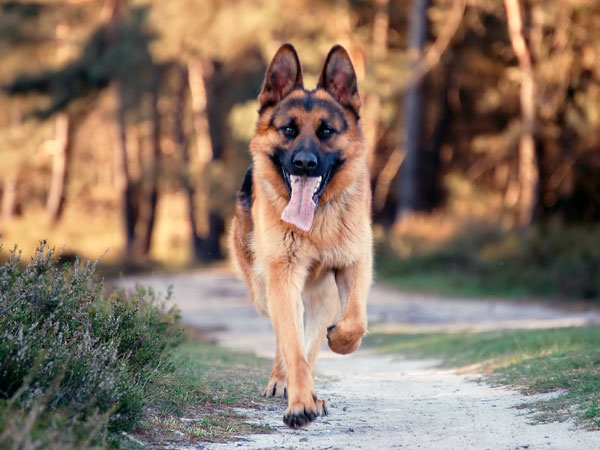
{"points": [[308, 143]]}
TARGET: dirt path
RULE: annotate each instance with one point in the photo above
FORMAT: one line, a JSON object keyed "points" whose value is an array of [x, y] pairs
{"points": [[378, 402]]}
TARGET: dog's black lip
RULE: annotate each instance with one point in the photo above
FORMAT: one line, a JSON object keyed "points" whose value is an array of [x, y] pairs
{"points": [[324, 182], [287, 180], [326, 177]]}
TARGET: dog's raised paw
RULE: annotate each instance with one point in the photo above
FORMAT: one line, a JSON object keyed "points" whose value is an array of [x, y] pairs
{"points": [[345, 337]]}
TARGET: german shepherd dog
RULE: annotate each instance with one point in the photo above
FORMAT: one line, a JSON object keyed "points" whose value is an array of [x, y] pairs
{"points": [[301, 233]]}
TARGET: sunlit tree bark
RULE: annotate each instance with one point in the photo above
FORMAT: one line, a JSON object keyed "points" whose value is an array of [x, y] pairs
{"points": [[122, 177], [183, 145], [60, 162], [207, 225], [380, 27], [372, 106], [9, 196], [149, 193], [204, 150], [528, 165]]}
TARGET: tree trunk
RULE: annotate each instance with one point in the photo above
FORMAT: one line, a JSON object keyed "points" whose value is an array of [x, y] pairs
{"points": [[372, 106], [60, 163], [528, 164], [198, 92], [111, 13], [380, 28], [150, 194], [122, 177], [410, 200], [184, 147], [430, 185], [207, 224], [9, 197], [203, 249], [204, 151]]}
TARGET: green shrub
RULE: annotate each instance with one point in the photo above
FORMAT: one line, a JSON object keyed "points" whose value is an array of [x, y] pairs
{"points": [[546, 260], [75, 360]]}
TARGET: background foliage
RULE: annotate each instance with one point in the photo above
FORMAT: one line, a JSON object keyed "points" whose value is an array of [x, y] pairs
{"points": [[125, 124]]}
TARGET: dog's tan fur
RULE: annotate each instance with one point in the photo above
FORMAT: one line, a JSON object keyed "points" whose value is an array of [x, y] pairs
{"points": [[307, 282]]}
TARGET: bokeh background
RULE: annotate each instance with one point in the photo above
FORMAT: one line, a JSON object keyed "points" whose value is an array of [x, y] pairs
{"points": [[124, 125]]}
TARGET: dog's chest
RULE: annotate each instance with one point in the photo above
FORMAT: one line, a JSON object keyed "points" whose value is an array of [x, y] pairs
{"points": [[341, 251], [331, 253]]}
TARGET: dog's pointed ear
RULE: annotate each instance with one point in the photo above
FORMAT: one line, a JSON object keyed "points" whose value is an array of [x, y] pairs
{"points": [[284, 75], [338, 78]]}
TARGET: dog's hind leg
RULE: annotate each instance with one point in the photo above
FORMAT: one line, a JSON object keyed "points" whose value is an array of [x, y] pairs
{"points": [[240, 238], [321, 304], [277, 386]]}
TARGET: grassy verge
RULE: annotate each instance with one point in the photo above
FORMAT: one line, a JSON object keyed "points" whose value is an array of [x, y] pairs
{"points": [[544, 261], [565, 360], [195, 402], [84, 367]]}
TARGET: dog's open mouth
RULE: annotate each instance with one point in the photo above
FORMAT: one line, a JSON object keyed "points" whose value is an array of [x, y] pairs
{"points": [[305, 193]]}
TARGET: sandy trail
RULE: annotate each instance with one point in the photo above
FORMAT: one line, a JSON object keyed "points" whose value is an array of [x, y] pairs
{"points": [[380, 402]]}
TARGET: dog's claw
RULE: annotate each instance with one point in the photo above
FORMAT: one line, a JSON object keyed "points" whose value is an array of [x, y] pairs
{"points": [[310, 414], [299, 419], [301, 416], [275, 388], [296, 420]]}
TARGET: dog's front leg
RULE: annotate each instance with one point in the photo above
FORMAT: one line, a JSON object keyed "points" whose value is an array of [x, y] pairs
{"points": [[284, 296], [353, 284]]}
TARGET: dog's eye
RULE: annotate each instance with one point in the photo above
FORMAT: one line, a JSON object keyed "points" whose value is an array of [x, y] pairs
{"points": [[324, 132], [289, 132]]}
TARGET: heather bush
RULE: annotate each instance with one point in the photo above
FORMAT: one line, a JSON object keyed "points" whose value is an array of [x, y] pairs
{"points": [[75, 359]]}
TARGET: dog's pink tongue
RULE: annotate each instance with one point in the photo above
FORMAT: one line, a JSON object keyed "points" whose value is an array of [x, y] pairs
{"points": [[300, 211]]}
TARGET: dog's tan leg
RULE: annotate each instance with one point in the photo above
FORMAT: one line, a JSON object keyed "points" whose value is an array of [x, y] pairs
{"points": [[353, 284], [321, 304], [284, 286], [277, 386]]}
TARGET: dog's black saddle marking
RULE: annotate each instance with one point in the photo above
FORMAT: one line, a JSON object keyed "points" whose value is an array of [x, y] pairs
{"points": [[245, 192]]}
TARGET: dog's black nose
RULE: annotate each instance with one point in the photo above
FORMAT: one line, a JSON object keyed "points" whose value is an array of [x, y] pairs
{"points": [[304, 162]]}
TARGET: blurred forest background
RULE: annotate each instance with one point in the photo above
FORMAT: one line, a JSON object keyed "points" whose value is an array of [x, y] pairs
{"points": [[124, 124]]}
